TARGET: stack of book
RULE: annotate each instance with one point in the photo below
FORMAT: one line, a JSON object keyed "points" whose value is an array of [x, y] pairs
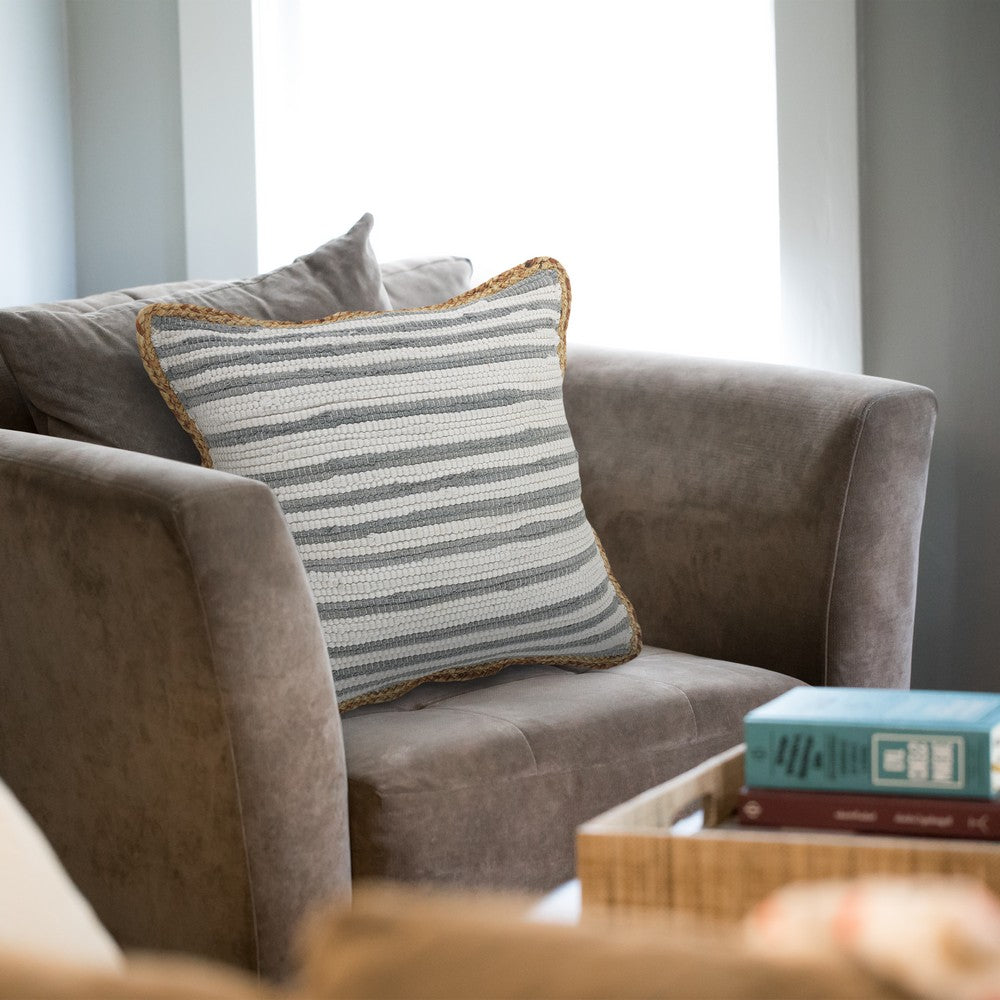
{"points": [[875, 761]]}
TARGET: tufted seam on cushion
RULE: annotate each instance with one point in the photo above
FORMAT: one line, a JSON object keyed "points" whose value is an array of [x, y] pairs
{"points": [[442, 702], [649, 751], [859, 431], [498, 718], [661, 684]]}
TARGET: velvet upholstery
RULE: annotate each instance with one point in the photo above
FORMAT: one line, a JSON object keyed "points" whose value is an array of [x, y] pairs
{"points": [[14, 412], [169, 717], [560, 748], [757, 513]]}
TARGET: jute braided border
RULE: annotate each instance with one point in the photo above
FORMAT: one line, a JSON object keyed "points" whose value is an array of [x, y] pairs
{"points": [[151, 362]]}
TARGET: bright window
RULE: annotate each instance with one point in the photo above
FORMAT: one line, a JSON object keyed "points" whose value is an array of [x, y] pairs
{"points": [[636, 142]]}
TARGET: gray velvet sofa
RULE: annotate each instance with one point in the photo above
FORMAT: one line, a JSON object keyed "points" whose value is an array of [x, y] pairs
{"points": [[168, 713]]}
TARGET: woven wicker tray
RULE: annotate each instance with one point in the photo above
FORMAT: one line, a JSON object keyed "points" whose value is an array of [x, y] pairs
{"points": [[633, 857]]}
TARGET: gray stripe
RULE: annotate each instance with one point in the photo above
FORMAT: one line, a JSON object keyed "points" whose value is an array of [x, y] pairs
{"points": [[330, 419], [409, 599], [614, 641], [529, 438], [481, 543], [269, 381], [403, 331], [542, 613], [502, 506], [416, 488], [548, 636]]}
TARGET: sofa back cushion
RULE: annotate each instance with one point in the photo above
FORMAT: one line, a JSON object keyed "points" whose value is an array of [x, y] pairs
{"points": [[14, 412], [76, 365], [408, 283]]}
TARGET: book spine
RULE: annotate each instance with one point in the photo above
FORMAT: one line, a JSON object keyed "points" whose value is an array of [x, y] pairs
{"points": [[974, 819], [831, 756]]}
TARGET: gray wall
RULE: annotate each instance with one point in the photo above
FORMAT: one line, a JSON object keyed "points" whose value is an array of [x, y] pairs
{"points": [[124, 71], [930, 197], [217, 105], [36, 168]]}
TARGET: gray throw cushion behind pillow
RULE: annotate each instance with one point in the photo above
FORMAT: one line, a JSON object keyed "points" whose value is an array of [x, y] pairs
{"points": [[81, 376], [424, 281], [409, 283]]}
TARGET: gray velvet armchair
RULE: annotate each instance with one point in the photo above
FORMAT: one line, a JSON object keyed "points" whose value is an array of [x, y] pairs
{"points": [[169, 717]]}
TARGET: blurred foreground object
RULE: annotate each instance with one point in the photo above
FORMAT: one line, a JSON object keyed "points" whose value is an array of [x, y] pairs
{"points": [[934, 937]]}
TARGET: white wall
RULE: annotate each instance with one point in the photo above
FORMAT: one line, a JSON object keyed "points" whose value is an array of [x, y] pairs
{"points": [[217, 114], [635, 143], [930, 157], [815, 53], [36, 168], [125, 86]]}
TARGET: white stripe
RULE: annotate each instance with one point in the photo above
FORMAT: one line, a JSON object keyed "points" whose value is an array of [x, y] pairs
{"points": [[426, 430], [470, 527], [378, 508], [378, 478], [474, 607], [454, 568], [278, 406]]}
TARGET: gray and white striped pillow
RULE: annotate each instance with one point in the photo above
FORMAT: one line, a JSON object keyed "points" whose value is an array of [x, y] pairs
{"points": [[425, 468]]}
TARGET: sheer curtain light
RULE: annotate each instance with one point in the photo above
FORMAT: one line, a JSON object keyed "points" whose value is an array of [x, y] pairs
{"points": [[635, 142]]}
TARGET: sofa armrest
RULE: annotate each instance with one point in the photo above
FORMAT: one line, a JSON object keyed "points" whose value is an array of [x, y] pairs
{"points": [[757, 513], [169, 717]]}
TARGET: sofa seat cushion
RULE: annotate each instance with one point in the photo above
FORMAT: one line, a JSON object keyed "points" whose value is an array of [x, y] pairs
{"points": [[483, 783]]}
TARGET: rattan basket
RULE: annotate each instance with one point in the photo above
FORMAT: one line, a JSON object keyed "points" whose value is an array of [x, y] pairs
{"points": [[634, 857]]}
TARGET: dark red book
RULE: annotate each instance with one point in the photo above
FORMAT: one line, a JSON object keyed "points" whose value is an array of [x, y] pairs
{"points": [[978, 819]]}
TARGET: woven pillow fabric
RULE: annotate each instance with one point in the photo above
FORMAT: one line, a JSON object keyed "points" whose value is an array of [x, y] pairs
{"points": [[425, 468]]}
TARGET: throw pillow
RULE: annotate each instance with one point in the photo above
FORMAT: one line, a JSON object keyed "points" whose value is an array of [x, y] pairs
{"points": [[77, 368], [426, 470], [15, 414], [42, 914], [423, 281]]}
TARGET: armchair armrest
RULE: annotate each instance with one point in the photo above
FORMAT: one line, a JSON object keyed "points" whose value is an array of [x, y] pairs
{"points": [[756, 513], [168, 717]]}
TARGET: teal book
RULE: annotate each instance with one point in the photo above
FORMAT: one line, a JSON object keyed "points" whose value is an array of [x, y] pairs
{"points": [[873, 740]]}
